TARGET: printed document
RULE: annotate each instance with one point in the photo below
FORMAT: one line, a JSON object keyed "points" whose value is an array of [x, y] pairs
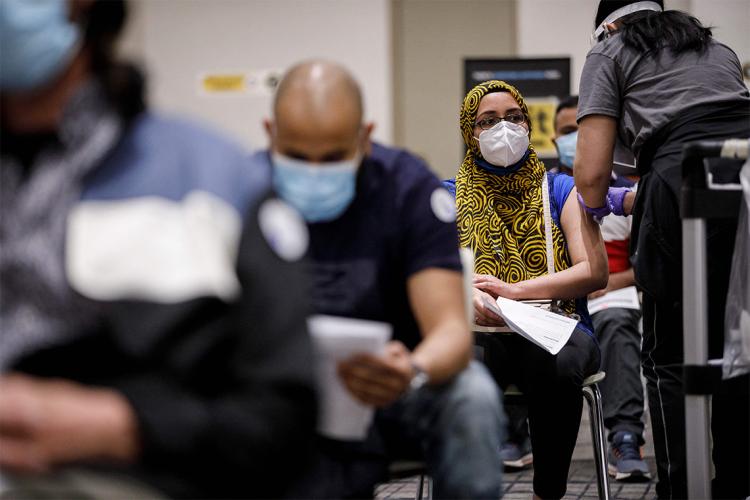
{"points": [[624, 298], [548, 330], [335, 339]]}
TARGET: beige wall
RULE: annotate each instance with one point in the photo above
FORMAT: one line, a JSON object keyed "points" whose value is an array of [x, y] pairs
{"points": [[431, 39], [563, 27], [178, 40], [730, 19], [407, 54]]}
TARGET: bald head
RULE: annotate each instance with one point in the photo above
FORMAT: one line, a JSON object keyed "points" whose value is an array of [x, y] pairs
{"points": [[318, 89], [317, 113]]}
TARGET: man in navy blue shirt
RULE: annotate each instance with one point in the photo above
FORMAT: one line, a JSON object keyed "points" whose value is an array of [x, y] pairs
{"points": [[383, 246]]}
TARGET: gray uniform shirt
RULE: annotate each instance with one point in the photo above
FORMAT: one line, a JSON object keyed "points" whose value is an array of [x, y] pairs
{"points": [[646, 91]]}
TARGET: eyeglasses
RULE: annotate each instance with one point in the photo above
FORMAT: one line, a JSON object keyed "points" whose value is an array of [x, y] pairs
{"points": [[515, 117]]}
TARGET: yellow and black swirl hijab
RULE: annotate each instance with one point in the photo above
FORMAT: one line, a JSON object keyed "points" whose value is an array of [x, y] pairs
{"points": [[501, 217]]}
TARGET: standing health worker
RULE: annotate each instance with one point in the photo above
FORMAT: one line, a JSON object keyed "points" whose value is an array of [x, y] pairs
{"points": [[657, 80]]}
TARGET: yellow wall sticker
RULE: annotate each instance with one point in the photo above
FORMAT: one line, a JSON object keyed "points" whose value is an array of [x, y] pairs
{"points": [[223, 83]]}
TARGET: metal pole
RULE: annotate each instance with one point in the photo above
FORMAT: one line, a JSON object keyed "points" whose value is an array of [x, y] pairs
{"points": [[695, 343], [594, 399]]}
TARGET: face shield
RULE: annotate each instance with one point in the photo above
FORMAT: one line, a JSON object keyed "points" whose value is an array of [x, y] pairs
{"points": [[600, 33]]}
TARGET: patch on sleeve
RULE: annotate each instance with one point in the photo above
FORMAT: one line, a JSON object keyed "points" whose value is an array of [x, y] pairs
{"points": [[284, 229], [443, 205], [154, 249]]}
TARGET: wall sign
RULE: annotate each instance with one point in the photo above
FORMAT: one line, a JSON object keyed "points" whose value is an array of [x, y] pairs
{"points": [[542, 82]]}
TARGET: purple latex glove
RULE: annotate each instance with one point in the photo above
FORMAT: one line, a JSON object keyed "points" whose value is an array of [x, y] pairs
{"points": [[599, 213], [614, 204], [616, 199]]}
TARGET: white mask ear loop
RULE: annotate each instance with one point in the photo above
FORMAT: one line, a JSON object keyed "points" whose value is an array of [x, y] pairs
{"points": [[598, 35]]}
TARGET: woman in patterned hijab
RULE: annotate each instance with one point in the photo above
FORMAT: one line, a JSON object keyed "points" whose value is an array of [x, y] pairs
{"points": [[501, 217]]}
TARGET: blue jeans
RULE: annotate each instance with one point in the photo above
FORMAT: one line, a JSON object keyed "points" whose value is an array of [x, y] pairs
{"points": [[459, 427], [456, 428]]}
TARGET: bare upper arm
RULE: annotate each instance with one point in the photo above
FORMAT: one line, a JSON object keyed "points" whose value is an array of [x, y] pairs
{"points": [[593, 162], [582, 234], [596, 142]]}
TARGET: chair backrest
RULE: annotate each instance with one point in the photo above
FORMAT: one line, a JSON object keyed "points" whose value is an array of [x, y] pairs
{"points": [[467, 263]]}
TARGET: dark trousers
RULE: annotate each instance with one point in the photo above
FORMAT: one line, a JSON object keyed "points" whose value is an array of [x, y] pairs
{"points": [[658, 270], [730, 412], [552, 388], [518, 427], [622, 390]]}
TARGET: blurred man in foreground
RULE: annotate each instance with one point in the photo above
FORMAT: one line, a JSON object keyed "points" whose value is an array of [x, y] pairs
{"points": [[143, 349]]}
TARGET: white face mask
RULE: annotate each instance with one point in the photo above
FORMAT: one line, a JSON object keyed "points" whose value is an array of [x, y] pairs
{"points": [[504, 144]]}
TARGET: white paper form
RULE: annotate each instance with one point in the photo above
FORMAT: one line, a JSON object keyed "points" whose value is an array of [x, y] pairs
{"points": [[548, 330], [335, 339], [624, 298], [490, 304]]}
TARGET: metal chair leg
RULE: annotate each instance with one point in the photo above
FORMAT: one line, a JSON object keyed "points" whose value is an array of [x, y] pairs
{"points": [[594, 399], [421, 487]]}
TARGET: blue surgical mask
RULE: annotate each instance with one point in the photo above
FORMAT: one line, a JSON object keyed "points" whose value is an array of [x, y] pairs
{"points": [[566, 148], [37, 39], [319, 191]]}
